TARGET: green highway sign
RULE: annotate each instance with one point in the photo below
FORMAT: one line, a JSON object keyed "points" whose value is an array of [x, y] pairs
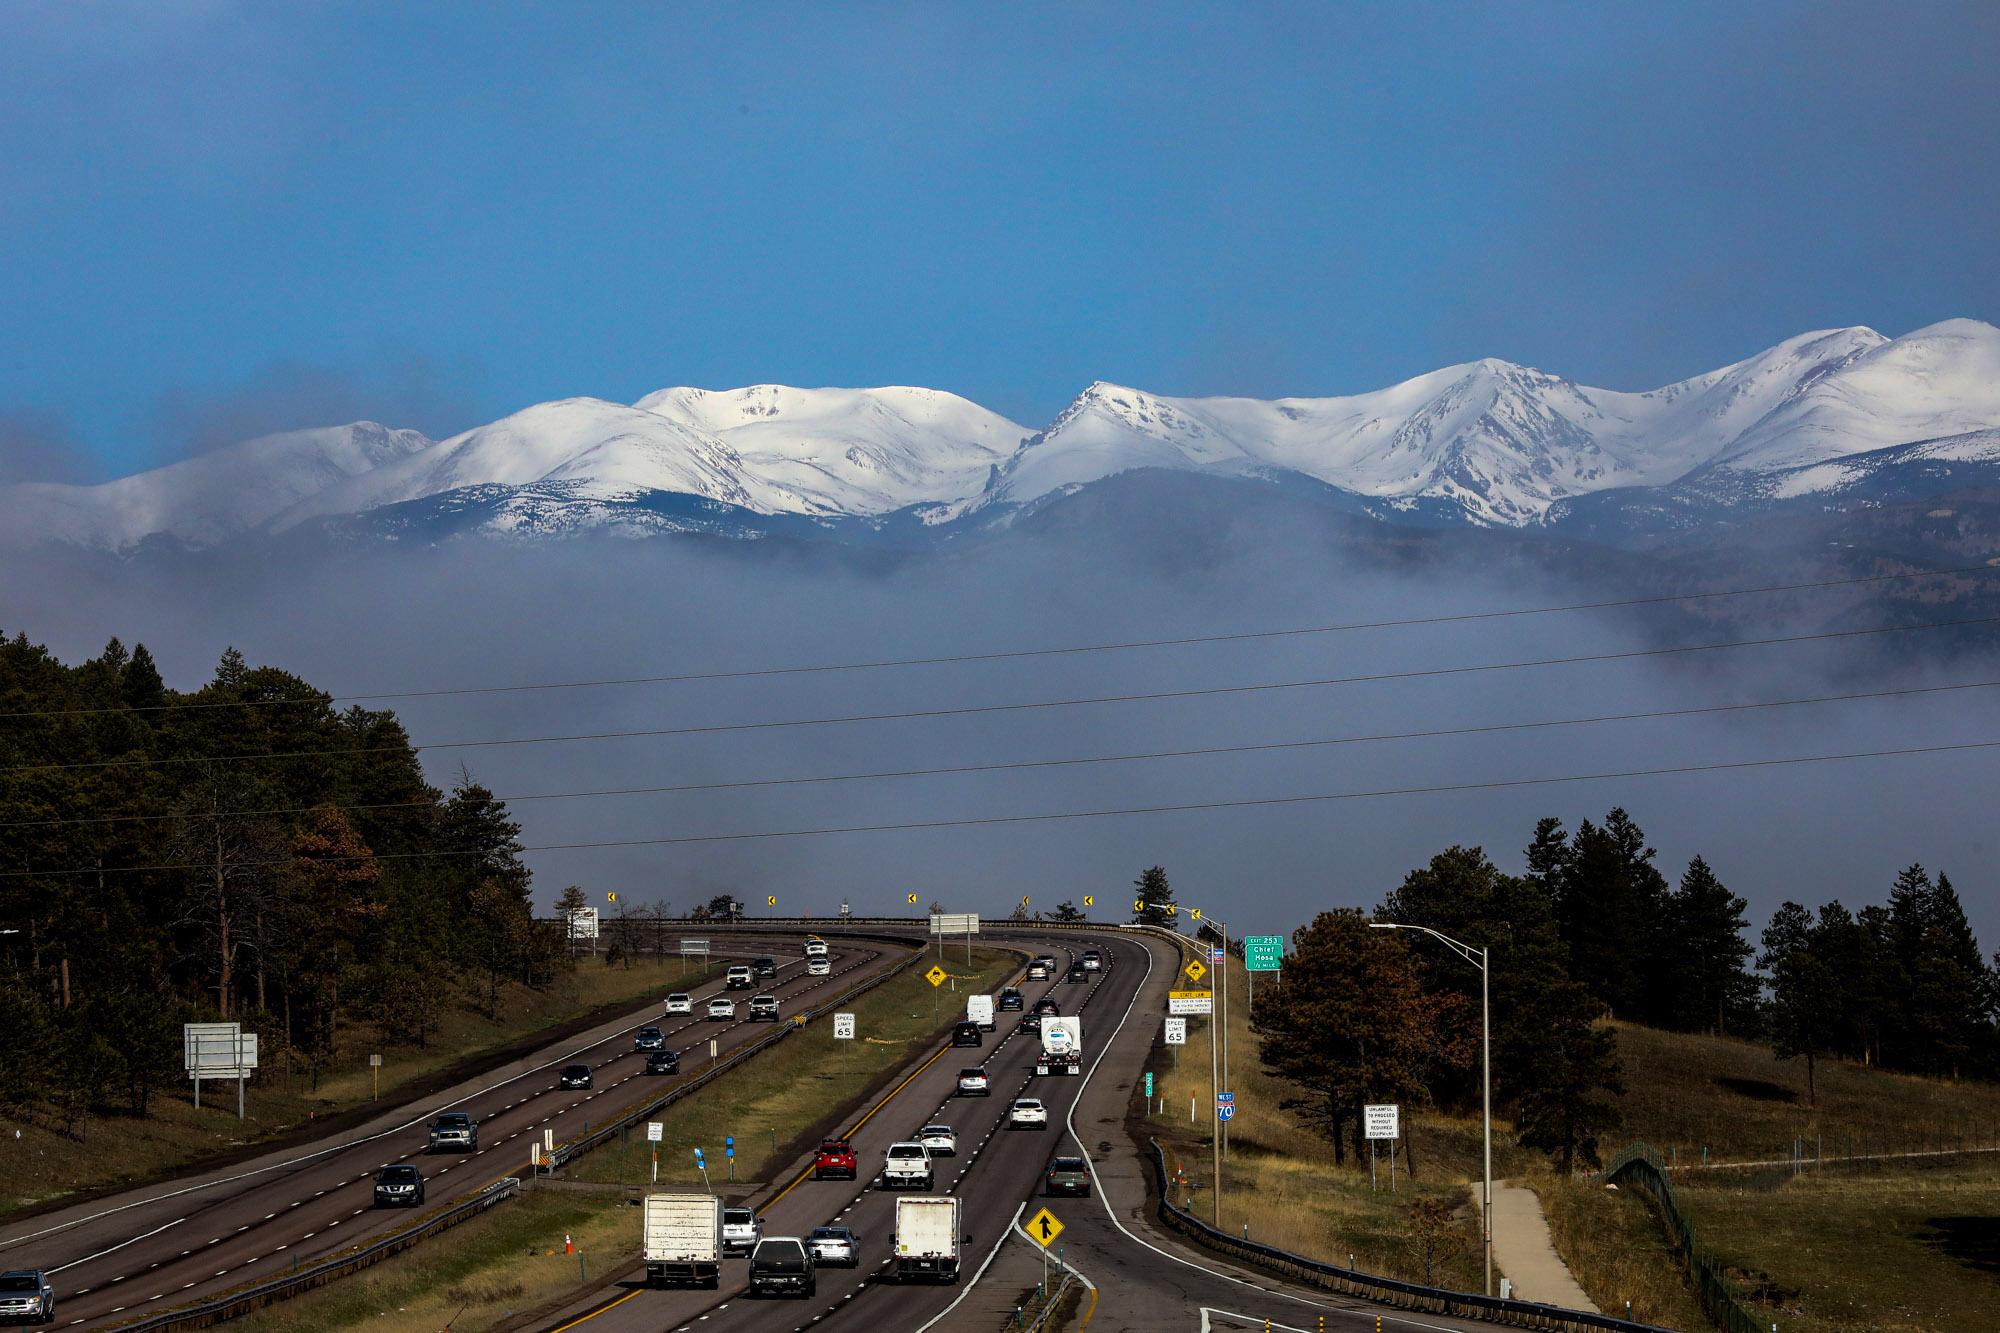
{"points": [[1263, 953]]}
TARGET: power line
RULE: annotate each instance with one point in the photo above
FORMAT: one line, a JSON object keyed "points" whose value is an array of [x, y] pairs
{"points": [[1069, 762], [1052, 816], [1016, 654], [968, 710]]}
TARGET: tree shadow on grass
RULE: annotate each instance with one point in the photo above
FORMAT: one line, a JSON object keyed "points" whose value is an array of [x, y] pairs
{"points": [[1972, 1241]]}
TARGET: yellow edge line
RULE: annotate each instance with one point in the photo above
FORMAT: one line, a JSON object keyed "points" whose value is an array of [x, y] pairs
{"points": [[1088, 1313], [584, 1319]]}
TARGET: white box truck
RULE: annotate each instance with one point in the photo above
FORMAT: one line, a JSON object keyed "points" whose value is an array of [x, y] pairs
{"points": [[683, 1239], [979, 1009], [1062, 1045], [927, 1240]]}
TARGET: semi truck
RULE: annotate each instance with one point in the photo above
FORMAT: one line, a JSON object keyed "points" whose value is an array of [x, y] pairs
{"points": [[682, 1236], [1062, 1045], [927, 1240]]}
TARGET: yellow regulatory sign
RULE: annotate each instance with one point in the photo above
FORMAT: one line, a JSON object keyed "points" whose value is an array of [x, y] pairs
{"points": [[1089, 901], [1195, 971], [1043, 1228], [936, 975]]}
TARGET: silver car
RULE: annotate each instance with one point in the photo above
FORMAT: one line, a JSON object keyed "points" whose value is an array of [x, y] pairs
{"points": [[836, 1247], [26, 1297], [721, 1008]]}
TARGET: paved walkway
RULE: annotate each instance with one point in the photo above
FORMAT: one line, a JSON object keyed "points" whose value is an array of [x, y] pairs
{"points": [[1523, 1250]]}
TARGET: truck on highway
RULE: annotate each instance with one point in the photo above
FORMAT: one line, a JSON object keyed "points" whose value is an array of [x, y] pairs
{"points": [[927, 1240], [979, 1009], [682, 1238], [1062, 1045]]}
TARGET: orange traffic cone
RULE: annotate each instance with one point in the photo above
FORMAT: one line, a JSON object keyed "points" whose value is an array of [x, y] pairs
{"points": [[569, 1246]]}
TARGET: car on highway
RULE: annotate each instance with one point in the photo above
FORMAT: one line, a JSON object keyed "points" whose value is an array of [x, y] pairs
{"points": [[720, 1007], [764, 967], [939, 1140], [782, 1266], [835, 1159], [907, 1166], [1048, 1004], [834, 1247], [454, 1131], [27, 1297], [738, 978], [819, 967], [662, 1062], [1027, 1113], [1038, 971], [972, 1082], [649, 1038], [1047, 960], [815, 947], [763, 1008], [1011, 999], [680, 1002], [967, 1034], [741, 1230], [574, 1076], [399, 1186], [1093, 960], [1067, 1175], [1078, 974]]}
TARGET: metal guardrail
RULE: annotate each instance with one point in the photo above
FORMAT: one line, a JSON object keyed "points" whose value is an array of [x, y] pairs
{"points": [[1388, 1290], [244, 1300], [1643, 1166], [1043, 1316]]}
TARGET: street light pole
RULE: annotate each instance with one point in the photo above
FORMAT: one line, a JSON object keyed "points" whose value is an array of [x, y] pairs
{"points": [[1479, 958]]}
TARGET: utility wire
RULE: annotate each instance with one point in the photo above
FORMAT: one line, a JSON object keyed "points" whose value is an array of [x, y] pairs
{"points": [[1052, 816], [1067, 762], [1016, 654], [968, 710]]}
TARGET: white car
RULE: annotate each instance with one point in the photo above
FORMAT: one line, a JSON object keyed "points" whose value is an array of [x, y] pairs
{"points": [[815, 948], [1092, 960], [741, 1230], [680, 1002], [939, 1140], [721, 1008], [834, 1247], [1027, 1113], [974, 1083], [819, 967]]}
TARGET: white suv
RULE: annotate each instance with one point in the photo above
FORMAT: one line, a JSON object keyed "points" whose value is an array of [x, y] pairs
{"points": [[939, 1140], [680, 1002], [1027, 1113], [721, 1008], [907, 1166]]}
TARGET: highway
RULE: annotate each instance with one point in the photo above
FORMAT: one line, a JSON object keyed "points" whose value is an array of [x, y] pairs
{"points": [[116, 1258]]}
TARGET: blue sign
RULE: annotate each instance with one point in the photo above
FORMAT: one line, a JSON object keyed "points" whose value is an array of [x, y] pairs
{"points": [[697, 1157], [1224, 1098], [1149, 1082], [729, 1141], [1225, 1111], [1215, 955], [730, 1151]]}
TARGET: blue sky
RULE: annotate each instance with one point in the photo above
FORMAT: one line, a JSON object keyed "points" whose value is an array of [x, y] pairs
{"points": [[221, 218]]}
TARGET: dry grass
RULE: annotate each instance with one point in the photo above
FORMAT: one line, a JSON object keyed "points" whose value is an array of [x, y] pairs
{"points": [[116, 1152], [1617, 1251]]}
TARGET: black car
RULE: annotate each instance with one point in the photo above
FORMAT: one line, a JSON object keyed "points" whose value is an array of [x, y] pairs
{"points": [[574, 1076], [1047, 1005], [649, 1038], [663, 1062], [1078, 974], [782, 1266], [399, 1187], [967, 1034], [1012, 999], [764, 967]]}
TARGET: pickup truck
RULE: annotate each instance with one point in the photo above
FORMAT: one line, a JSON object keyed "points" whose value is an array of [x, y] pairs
{"points": [[907, 1166], [782, 1266], [454, 1131], [738, 978]]}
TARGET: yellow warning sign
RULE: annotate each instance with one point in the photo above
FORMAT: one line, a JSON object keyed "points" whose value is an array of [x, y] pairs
{"points": [[936, 975], [770, 900], [1089, 901], [1196, 914], [1043, 1228], [1195, 971], [913, 897]]}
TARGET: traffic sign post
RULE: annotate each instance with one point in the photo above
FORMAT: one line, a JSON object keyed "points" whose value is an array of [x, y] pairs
{"points": [[729, 1151], [843, 1027], [1378, 1123], [654, 1129], [1043, 1228], [1261, 953]]}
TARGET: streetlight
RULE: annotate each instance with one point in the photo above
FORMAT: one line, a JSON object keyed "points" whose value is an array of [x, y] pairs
{"points": [[1478, 958]]}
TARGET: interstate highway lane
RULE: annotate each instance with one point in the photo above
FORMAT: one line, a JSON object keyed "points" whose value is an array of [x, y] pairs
{"points": [[149, 1250]]}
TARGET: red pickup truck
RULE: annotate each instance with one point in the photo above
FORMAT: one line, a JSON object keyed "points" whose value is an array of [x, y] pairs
{"points": [[836, 1158]]}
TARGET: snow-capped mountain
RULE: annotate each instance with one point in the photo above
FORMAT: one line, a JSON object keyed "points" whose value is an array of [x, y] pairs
{"points": [[205, 499], [1829, 413]]}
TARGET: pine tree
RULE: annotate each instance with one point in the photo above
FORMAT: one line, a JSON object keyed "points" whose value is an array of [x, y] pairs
{"points": [[1711, 985], [1568, 1080], [1152, 889], [141, 686], [1610, 905], [1803, 1018], [1946, 1015]]}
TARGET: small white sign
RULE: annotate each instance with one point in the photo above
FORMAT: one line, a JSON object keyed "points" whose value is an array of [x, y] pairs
{"points": [[582, 923], [1176, 1032], [843, 1027], [694, 948], [374, 1062], [654, 1131], [1380, 1122], [1190, 1002]]}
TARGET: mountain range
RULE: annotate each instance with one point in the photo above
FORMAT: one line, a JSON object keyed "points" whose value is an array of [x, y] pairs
{"points": [[1830, 419]]}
